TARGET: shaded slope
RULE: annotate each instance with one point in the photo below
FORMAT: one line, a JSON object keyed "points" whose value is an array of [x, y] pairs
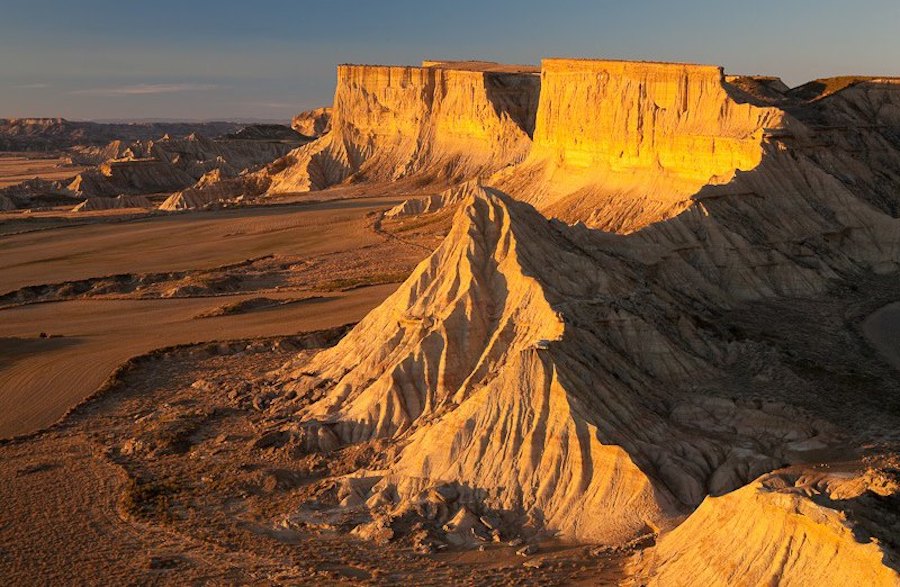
{"points": [[619, 409]]}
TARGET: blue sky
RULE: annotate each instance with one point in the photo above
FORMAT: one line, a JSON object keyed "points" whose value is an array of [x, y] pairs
{"points": [[199, 59]]}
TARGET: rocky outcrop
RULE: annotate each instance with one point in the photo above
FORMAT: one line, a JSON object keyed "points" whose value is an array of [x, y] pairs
{"points": [[812, 528], [439, 121], [34, 192], [169, 165], [430, 204], [510, 362], [94, 155], [50, 134], [132, 176], [211, 188], [313, 123], [267, 132]]}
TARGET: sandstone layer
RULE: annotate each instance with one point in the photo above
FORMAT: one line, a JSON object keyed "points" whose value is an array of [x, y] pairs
{"points": [[119, 202], [620, 144], [813, 528], [443, 121]]}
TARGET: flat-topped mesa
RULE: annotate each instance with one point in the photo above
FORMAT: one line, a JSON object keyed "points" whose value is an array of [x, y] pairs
{"points": [[441, 120], [611, 132]]}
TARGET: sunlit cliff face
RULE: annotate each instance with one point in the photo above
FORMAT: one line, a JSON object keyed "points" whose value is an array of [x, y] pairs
{"points": [[609, 132], [437, 121], [618, 145]]}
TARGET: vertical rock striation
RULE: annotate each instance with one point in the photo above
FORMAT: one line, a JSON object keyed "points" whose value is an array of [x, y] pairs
{"points": [[622, 144], [445, 121]]}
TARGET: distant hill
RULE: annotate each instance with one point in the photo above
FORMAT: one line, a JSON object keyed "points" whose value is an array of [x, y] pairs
{"points": [[49, 134]]}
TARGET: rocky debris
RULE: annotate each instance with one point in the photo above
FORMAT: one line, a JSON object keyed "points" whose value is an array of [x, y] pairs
{"points": [[169, 165], [378, 531], [119, 202], [34, 192], [527, 550], [465, 529], [313, 123]]}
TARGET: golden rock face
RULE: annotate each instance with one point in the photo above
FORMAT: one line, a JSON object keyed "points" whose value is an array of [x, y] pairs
{"points": [[394, 121], [617, 145], [576, 377], [612, 136], [625, 116]]}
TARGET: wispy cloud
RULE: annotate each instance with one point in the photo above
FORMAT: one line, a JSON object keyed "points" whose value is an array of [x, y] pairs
{"points": [[145, 89], [32, 86]]}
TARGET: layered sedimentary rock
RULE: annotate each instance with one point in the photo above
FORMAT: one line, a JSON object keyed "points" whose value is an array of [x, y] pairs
{"points": [[130, 176], [266, 132], [48, 134], [621, 144], [212, 187], [449, 197], [602, 386], [442, 121], [522, 360], [117, 203], [32, 192]]}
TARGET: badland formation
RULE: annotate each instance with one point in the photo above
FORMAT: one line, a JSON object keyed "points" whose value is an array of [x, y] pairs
{"points": [[627, 322]]}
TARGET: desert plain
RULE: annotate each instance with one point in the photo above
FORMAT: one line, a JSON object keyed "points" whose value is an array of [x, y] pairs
{"points": [[588, 322]]}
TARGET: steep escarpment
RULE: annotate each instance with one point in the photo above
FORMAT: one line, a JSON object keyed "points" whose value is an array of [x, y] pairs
{"points": [[441, 121], [619, 145]]}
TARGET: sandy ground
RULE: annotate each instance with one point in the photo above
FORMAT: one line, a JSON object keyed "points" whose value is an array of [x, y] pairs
{"points": [[16, 168], [161, 480], [40, 378], [330, 251], [882, 329], [183, 241]]}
